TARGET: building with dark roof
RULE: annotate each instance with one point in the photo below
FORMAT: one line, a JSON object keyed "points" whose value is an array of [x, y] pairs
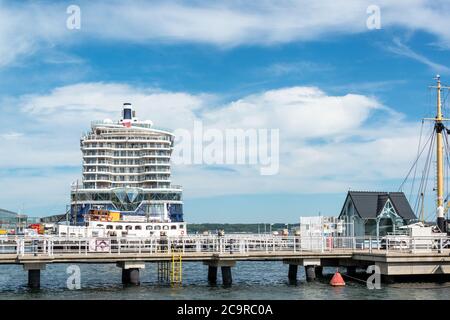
{"points": [[376, 213]]}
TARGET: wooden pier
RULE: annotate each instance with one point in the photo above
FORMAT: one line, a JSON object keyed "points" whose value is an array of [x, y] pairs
{"points": [[431, 257]]}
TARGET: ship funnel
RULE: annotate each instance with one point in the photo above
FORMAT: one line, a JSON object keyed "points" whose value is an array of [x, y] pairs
{"points": [[127, 111]]}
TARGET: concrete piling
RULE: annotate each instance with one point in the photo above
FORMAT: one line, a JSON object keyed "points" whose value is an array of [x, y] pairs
{"points": [[125, 276], [351, 271], [310, 272], [212, 275], [130, 272], [292, 274], [225, 265], [34, 279], [319, 271], [34, 274], [134, 276], [131, 276], [226, 276]]}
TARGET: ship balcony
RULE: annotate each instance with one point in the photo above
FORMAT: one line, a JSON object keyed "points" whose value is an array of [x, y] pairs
{"points": [[139, 179], [138, 172], [157, 163], [125, 139], [88, 180], [136, 157], [126, 148], [155, 156], [140, 164], [113, 184], [97, 155], [126, 165], [155, 180], [100, 172], [98, 163]]}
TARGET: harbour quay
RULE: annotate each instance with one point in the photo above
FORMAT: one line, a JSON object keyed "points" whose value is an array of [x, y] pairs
{"points": [[405, 256]]}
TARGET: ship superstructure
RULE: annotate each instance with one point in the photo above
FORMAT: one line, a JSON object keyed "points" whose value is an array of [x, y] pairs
{"points": [[126, 169]]}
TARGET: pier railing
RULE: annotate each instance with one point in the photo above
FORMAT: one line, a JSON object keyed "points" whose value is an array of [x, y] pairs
{"points": [[235, 244]]}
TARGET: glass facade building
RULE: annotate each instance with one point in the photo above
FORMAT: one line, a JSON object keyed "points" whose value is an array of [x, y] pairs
{"points": [[11, 221]]}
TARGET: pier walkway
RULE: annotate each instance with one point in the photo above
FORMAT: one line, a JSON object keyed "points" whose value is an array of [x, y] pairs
{"points": [[394, 256]]}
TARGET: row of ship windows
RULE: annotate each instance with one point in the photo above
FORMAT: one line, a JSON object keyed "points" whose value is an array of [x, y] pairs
{"points": [[106, 196], [125, 145], [122, 170], [123, 178], [98, 136], [128, 162], [145, 185], [128, 153], [130, 227]]}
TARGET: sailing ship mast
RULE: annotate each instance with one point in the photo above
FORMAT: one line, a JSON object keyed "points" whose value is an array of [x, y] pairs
{"points": [[440, 130]]}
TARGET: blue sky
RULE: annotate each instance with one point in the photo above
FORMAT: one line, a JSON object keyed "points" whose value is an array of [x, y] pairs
{"points": [[179, 61]]}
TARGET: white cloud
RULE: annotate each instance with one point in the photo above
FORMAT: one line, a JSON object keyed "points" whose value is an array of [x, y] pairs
{"points": [[327, 143], [10, 135], [27, 27], [403, 50], [299, 112]]}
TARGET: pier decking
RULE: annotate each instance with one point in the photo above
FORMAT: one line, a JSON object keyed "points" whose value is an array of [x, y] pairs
{"points": [[410, 256]]}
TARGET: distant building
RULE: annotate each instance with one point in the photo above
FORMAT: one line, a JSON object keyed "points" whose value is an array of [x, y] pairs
{"points": [[57, 218], [12, 221], [376, 213]]}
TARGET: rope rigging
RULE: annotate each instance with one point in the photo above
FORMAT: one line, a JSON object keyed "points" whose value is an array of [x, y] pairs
{"points": [[427, 149], [435, 150]]}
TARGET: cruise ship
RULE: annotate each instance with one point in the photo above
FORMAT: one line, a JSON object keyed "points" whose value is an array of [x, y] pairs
{"points": [[126, 186]]}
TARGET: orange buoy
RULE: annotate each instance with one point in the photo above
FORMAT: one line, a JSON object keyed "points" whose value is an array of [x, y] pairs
{"points": [[337, 280]]}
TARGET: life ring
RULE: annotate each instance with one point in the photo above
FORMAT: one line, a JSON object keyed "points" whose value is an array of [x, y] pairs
{"points": [[182, 232]]}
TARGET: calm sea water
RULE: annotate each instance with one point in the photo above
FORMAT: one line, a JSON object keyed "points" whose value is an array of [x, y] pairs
{"points": [[251, 280]]}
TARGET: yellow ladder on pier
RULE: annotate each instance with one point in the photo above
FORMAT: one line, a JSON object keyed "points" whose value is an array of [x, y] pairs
{"points": [[171, 271], [176, 275]]}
